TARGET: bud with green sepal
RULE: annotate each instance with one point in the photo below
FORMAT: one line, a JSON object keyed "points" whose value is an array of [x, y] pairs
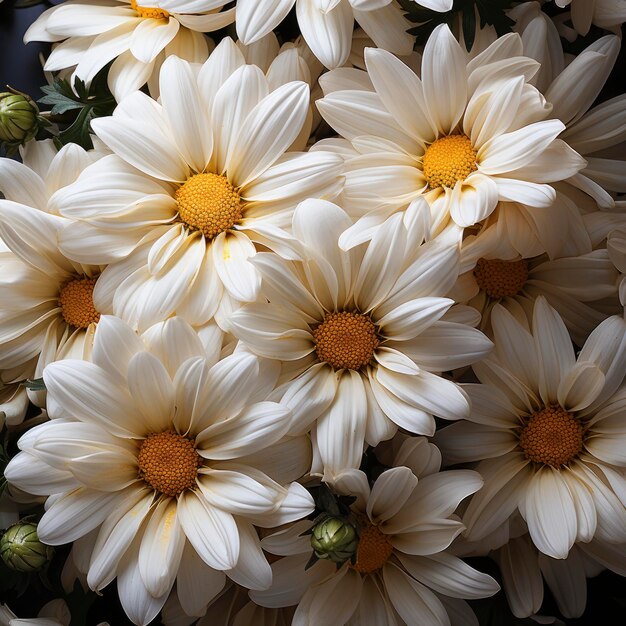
{"points": [[334, 539], [21, 549], [20, 120]]}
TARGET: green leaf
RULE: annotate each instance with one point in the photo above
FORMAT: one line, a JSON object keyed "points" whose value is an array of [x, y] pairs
{"points": [[79, 105], [490, 12], [35, 384], [80, 131]]}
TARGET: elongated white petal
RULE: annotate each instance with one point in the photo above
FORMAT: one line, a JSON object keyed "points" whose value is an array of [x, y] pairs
{"points": [[449, 575], [550, 514], [161, 548], [212, 532], [341, 431], [390, 492]]}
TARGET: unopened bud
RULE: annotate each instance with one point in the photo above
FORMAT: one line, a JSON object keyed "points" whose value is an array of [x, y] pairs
{"points": [[21, 549], [19, 118], [334, 539]]}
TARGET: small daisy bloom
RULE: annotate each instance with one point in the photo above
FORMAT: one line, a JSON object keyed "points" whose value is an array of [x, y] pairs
{"points": [[582, 289], [362, 334], [400, 569], [137, 38], [464, 136], [194, 183], [154, 443], [46, 300], [327, 25], [548, 431]]}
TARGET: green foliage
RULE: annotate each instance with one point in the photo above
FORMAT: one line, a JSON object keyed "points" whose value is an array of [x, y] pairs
{"points": [[489, 12], [79, 106], [35, 384]]}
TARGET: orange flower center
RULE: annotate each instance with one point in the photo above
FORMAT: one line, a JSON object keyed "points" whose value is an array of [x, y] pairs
{"points": [[552, 436], [346, 340], [499, 279], [208, 203], [448, 160], [168, 462], [76, 302], [152, 12], [373, 551]]}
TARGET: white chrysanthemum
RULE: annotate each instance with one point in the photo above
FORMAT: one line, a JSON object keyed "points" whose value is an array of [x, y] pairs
{"points": [[464, 136], [401, 569], [548, 430], [195, 182], [327, 25], [583, 289], [136, 38], [46, 305], [362, 334], [159, 445], [609, 14]]}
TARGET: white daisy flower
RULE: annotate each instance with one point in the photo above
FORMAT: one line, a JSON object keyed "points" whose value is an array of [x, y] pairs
{"points": [[582, 289], [546, 428], [47, 311], [464, 136], [327, 25], [155, 443], [194, 183], [362, 334], [136, 38], [405, 522]]}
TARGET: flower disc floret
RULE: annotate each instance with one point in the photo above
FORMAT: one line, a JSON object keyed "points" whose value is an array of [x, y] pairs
{"points": [[501, 279], [346, 340], [552, 436], [76, 302], [373, 551], [448, 160], [168, 462], [208, 203], [151, 12]]}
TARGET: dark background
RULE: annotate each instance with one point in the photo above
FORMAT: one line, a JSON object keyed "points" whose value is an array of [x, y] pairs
{"points": [[20, 68]]}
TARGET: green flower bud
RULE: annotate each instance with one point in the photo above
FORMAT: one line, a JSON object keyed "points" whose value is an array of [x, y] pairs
{"points": [[335, 539], [19, 118], [21, 549]]}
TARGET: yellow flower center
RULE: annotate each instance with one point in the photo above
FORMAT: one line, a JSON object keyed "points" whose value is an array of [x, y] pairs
{"points": [[168, 462], [373, 551], [552, 436], [447, 160], [346, 340], [152, 12], [208, 203], [76, 302], [499, 279]]}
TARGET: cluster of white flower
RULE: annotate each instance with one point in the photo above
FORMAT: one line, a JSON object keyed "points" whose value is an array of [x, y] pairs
{"points": [[258, 303]]}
